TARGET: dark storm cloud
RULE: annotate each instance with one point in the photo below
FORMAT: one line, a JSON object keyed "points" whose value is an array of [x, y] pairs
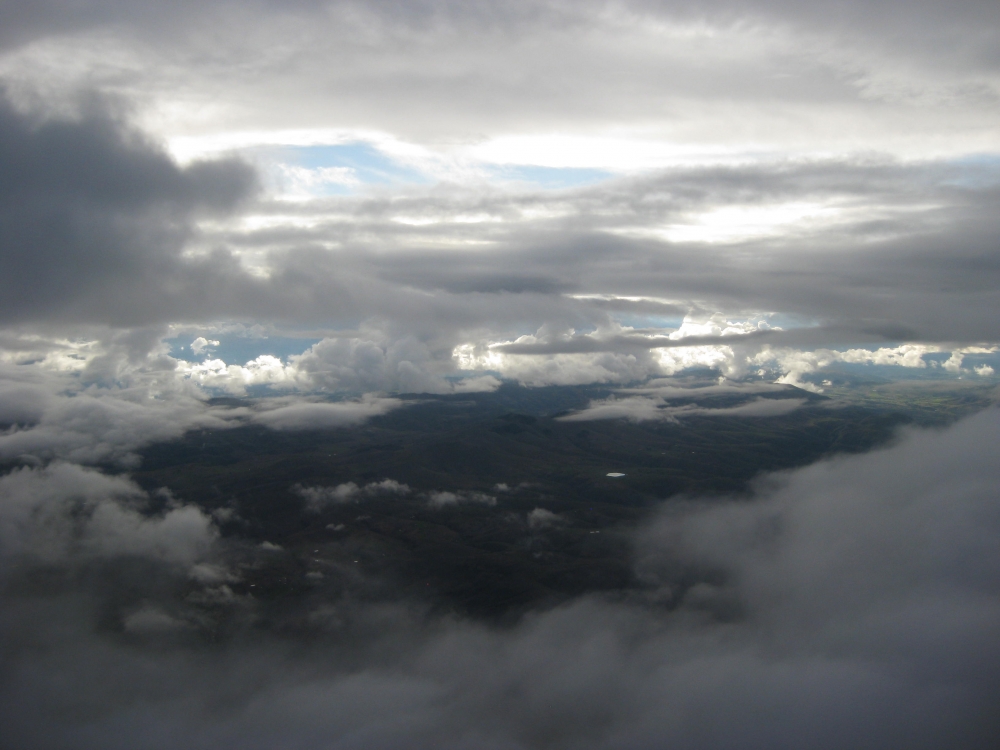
{"points": [[93, 219], [94, 223], [851, 604]]}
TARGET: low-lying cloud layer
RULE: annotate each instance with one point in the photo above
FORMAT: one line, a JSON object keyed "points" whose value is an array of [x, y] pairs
{"points": [[309, 415], [62, 406], [641, 409], [850, 603], [64, 513]]}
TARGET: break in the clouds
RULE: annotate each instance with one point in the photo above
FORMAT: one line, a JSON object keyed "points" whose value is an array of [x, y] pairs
{"points": [[579, 286], [446, 285], [853, 603]]}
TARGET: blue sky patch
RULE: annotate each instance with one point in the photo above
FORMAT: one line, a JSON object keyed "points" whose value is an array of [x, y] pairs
{"points": [[238, 350], [976, 171], [343, 168], [372, 167], [334, 169], [551, 178]]}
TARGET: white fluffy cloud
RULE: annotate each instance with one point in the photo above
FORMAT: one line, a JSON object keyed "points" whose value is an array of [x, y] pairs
{"points": [[96, 401], [796, 363], [93, 402], [337, 365], [201, 345]]}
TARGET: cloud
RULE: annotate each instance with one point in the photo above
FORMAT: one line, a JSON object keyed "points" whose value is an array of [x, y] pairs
{"points": [[97, 401], [670, 389], [183, 535], [766, 190], [853, 602], [637, 408], [152, 622], [440, 499], [104, 227], [533, 68], [93, 401], [796, 363], [760, 407], [403, 311], [540, 518], [265, 370], [201, 345], [130, 237], [404, 366], [95, 219], [318, 497], [89, 428], [314, 415], [481, 384], [341, 365], [642, 409], [64, 511], [21, 404]]}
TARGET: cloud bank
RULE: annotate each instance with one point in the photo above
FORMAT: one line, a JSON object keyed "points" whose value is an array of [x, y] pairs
{"points": [[107, 237], [640, 409], [853, 602]]}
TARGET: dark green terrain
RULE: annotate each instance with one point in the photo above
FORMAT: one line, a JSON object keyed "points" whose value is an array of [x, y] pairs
{"points": [[474, 555]]}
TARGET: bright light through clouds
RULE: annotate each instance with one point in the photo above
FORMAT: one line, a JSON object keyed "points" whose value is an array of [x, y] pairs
{"points": [[736, 223], [618, 153]]}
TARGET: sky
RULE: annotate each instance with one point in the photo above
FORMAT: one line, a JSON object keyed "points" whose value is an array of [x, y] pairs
{"points": [[324, 205]]}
